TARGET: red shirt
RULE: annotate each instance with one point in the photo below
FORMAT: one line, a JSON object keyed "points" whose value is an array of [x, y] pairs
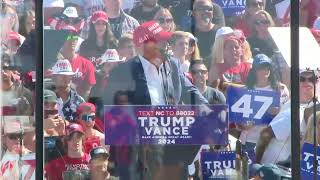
{"points": [[55, 168], [237, 74], [85, 73], [243, 25]]}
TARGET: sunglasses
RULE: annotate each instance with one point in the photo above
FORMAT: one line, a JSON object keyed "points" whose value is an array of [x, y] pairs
{"points": [[260, 22], [72, 38], [164, 20], [255, 4], [199, 71], [71, 21], [204, 8], [15, 136], [88, 118], [309, 79]]}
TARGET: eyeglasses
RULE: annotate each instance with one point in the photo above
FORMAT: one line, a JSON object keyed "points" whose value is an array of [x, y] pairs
{"points": [[260, 22], [72, 38], [15, 136], [199, 71], [310, 79], [204, 8], [88, 118], [255, 4], [164, 20]]}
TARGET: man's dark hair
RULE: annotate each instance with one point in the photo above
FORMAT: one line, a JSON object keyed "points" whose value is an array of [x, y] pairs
{"points": [[194, 62]]}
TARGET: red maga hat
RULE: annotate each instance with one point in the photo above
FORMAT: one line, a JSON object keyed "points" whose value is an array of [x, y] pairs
{"points": [[74, 127], [99, 16], [86, 106], [150, 31]]}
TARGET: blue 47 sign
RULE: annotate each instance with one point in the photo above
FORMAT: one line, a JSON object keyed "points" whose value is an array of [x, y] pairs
{"points": [[246, 105]]}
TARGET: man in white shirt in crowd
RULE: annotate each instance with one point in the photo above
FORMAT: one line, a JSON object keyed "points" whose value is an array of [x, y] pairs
{"points": [[274, 144]]}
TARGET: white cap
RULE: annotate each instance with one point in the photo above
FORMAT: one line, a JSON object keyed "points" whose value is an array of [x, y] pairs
{"points": [[111, 55], [223, 31], [316, 24], [71, 12], [63, 67], [53, 3]]}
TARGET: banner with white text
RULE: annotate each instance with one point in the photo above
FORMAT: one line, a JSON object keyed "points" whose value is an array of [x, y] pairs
{"points": [[218, 165], [251, 106], [202, 124]]}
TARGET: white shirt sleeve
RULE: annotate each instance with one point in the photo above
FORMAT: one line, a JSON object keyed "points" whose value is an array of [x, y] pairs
{"points": [[281, 125]]}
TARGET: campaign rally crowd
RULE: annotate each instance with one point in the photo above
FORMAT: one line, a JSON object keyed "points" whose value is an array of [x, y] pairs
{"points": [[147, 52]]}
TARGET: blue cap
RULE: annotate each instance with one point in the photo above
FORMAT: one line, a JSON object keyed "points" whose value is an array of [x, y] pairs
{"points": [[261, 59]]}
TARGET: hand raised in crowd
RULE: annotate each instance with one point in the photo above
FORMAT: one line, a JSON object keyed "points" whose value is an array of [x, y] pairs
{"points": [[55, 122]]}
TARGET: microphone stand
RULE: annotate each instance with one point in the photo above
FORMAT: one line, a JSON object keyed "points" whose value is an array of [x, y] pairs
{"points": [[315, 143]]}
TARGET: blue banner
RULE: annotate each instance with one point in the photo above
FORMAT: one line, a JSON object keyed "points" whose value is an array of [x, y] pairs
{"points": [[218, 165], [307, 162], [232, 7], [125, 125], [251, 106]]}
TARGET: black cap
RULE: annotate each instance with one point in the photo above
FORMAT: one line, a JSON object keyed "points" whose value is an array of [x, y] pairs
{"points": [[99, 152]]}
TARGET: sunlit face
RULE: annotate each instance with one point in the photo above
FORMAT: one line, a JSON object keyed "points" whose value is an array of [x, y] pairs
{"points": [[75, 142], [203, 11], [263, 72], [71, 43], [12, 142], [254, 6], [127, 50], [85, 123], [6, 75], [113, 4], [199, 74], [62, 81], [151, 50], [30, 23], [261, 24], [232, 52], [99, 166], [181, 46], [100, 27], [165, 20], [306, 87]]}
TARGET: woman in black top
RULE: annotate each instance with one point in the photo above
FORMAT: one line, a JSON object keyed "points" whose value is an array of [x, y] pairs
{"points": [[100, 38]]}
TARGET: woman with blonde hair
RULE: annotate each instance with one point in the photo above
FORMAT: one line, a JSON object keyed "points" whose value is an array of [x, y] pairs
{"points": [[180, 47], [193, 52], [227, 62], [260, 39], [308, 137], [165, 19]]}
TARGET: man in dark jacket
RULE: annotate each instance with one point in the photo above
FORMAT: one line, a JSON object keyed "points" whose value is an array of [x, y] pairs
{"points": [[152, 78]]}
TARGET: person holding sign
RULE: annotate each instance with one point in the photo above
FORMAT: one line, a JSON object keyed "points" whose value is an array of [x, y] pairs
{"points": [[274, 144], [262, 77]]}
